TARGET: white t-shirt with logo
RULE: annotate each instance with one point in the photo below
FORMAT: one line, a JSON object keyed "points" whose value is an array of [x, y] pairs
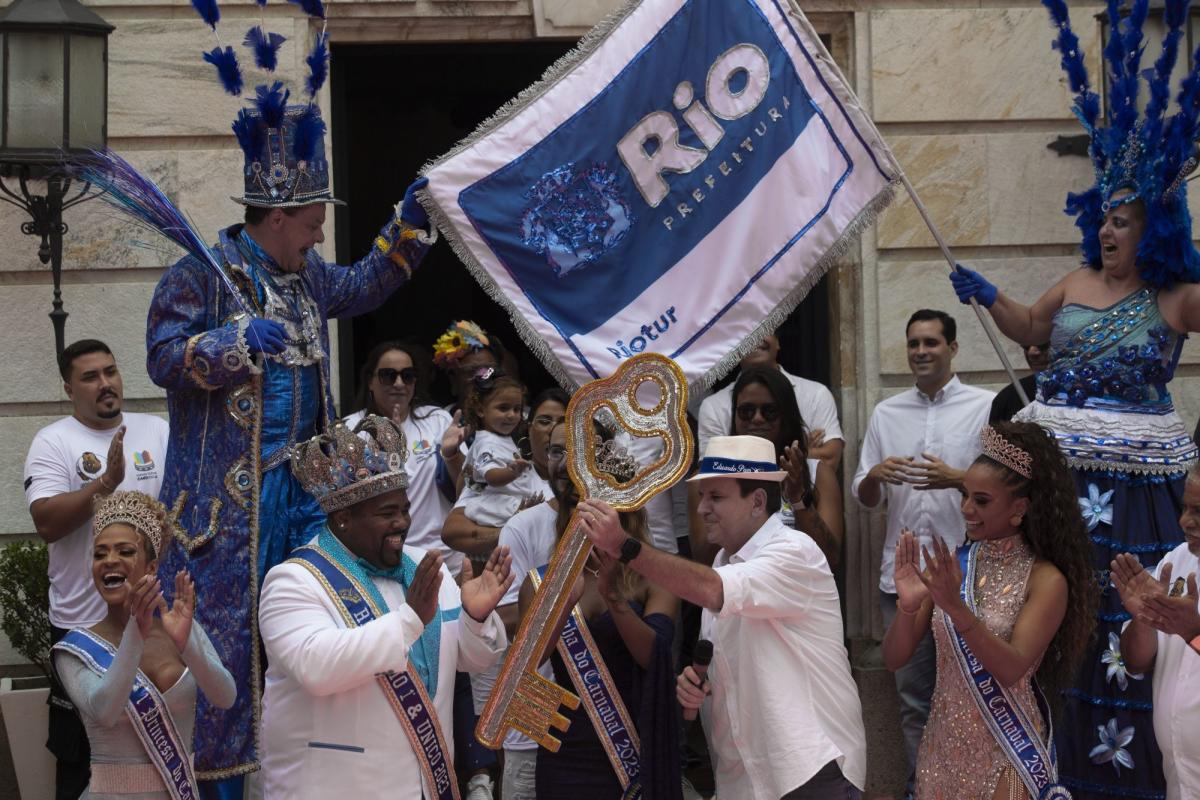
{"points": [[428, 507], [66, 456]]}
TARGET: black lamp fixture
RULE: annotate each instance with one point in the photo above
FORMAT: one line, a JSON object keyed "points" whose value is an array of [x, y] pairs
{"points": [[53, 104]]}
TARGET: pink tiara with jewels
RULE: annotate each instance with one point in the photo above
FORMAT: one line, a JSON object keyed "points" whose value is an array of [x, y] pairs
{"points": [[1002, 451], [139, 511]]}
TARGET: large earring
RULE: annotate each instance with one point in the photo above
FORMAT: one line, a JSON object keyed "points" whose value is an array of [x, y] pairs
{"points": [[1016, 519]]}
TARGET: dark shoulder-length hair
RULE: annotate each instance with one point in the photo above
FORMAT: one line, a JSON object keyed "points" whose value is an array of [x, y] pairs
{"points": [[791, 423], [420, 362]]}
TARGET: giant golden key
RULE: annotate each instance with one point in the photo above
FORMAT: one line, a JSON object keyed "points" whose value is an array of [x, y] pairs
{"points": [[522, 699]]}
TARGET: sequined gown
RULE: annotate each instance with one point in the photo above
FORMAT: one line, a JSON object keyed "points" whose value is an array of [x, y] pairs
{"points": [[959, 759], [1105, 399]]}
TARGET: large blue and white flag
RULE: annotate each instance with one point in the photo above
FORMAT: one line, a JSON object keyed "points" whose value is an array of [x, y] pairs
{"points": [[676, 184]]}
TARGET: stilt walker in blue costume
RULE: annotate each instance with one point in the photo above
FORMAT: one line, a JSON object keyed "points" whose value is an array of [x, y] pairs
{"points": [[1116, 327], [238, 336]]}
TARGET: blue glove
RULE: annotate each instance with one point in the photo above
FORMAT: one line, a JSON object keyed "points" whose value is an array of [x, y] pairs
{"points": [[411, 210], [265, 336], [968, 283]]}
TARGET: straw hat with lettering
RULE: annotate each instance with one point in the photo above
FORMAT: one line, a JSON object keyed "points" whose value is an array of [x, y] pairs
{"points": [[750, 458]]}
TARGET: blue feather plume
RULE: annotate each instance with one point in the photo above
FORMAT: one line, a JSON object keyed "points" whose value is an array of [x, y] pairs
{"points": [[265, 46], [318, 65], [132, 193], [227, 68], [1159, 79], [272, 103], [208, 11], [250, 135], [314, 8], [1087, 102], [309, 130]]}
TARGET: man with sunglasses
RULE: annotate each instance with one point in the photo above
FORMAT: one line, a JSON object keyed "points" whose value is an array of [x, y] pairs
{"points": [[815, 402], [917, 446]]}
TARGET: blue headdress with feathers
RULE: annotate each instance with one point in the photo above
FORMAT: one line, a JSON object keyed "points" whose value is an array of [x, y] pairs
{"points": [[284, 145], [1147, 154]]}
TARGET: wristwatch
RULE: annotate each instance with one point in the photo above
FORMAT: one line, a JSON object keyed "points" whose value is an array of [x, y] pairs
{"points": [[630, 549]]}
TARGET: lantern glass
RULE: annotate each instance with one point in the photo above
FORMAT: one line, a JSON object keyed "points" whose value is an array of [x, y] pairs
{"points": [[87, 86], [35, 90]]}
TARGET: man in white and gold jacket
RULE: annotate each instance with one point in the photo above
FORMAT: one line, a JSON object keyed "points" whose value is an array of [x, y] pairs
{"points": [[364, 635]]}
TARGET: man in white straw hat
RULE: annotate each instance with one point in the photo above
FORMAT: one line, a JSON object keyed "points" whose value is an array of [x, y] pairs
{"points": [[780, 708]]}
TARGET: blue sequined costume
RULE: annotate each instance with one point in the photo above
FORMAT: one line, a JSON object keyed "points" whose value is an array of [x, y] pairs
{"points": [[235, 509], [1105, 399]]}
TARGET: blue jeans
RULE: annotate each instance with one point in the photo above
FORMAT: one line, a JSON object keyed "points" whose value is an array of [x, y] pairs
{"points": [[914, 684]]}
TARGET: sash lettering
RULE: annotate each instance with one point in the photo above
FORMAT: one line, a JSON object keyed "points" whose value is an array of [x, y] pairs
{"points": [[403, 690], [147, 711], [600, 697], [1033, 759]]}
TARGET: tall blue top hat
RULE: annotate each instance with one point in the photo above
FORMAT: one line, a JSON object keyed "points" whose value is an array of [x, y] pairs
{"points": [[284, 145], [284, 148]]}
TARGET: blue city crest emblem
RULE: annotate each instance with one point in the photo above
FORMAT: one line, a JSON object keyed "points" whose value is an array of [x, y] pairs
{"points": [[575, 215]]}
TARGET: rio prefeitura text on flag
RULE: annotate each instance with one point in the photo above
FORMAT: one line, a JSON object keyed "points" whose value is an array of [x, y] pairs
{"points": [[675, 185]]}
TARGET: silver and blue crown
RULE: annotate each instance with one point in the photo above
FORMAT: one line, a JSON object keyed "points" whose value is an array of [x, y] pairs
{"points": [[1139, 148], [283, 145], [344, 467]]}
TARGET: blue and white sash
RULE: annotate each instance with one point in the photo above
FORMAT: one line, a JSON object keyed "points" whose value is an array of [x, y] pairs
{"points": [[147, 712], [403, 690], [614, 727], [1034, 760]]}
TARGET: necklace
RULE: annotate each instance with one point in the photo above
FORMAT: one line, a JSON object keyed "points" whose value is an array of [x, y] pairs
{"points": [[594, 572]]}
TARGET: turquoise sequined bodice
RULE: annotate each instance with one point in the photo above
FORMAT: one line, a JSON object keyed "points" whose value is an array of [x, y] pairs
{"points": [[1120, 356]]}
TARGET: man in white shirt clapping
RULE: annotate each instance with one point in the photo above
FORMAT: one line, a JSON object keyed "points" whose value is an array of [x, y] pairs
{"points": [[917, 446], [780, 708]]}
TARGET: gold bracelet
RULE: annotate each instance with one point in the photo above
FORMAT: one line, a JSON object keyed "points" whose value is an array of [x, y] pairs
{"points": [[105, 486], [974, 624]]}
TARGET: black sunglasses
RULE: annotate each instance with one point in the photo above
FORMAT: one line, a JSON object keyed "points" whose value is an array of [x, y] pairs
{"points": [[387, 376], [769, 411]]}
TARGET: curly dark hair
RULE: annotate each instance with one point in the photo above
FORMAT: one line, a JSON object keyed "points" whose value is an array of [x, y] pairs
{"points": [[1055, 531], [791, 421], [481, 390]]}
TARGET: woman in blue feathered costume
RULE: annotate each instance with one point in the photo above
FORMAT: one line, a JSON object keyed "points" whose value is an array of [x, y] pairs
{"points": [[1116, 327]]}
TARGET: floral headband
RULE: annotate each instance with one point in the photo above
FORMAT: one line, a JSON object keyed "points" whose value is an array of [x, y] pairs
{"points": [[460, 339]]}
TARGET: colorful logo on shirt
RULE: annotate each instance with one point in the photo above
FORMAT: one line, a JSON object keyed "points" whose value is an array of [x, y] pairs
{"points": [[88, 466], [422, 447], [142, 461]]}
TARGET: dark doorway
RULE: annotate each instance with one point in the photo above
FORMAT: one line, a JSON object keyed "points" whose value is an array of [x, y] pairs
{"points": [[394, 108]]}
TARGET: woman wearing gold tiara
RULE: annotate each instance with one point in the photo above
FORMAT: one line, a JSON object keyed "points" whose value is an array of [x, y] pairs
{"points": [[134, 663], [1012, 609]]}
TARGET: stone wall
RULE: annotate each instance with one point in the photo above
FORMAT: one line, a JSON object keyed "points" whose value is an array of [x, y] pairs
{"points": [[968, 94]]}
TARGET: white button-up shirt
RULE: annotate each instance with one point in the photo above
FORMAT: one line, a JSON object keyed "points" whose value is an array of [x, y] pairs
{"points": [[909, 424], [814, 399], [1177, 697], [783, 703]]}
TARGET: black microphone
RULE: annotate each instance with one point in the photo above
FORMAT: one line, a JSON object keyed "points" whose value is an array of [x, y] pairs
{"points": [[701, 658]]}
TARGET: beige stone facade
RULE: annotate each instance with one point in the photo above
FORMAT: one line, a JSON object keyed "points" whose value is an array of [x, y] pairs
{"points": [[969, 94]]}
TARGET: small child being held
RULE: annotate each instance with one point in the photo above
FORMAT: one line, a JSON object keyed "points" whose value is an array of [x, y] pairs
{"points": [[497, 472]]}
